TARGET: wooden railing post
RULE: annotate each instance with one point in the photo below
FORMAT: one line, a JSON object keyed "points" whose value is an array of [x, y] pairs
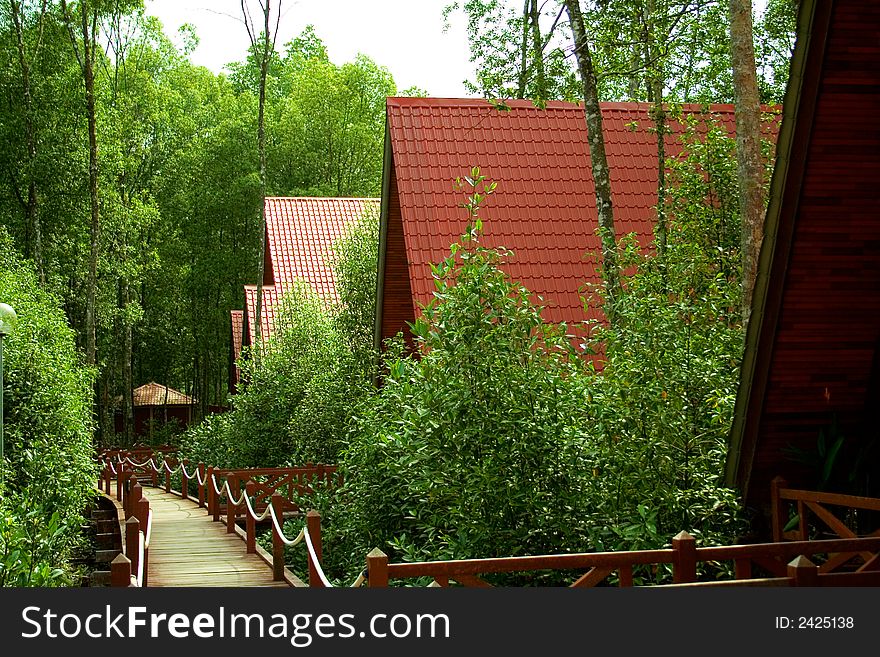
{"points": [[120, 571], [777, 508], [277, 544], [804, 572], [135, 494], [231, 507], [250, 524], [132, 541], [184, 482], [313, 527], [201, 485], [377, 569], [684, 564]]}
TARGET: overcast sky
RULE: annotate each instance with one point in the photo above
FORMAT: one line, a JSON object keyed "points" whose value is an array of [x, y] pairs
{"points": [[406, 36]]}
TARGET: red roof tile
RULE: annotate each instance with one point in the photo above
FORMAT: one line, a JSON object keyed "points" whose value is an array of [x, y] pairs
{"points": [[544, 208], [301, 233], [300, 236], [237, 318], [271, 302]]}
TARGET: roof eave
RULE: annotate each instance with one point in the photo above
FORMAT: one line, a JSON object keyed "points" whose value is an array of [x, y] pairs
{"points": [[387, 168]]}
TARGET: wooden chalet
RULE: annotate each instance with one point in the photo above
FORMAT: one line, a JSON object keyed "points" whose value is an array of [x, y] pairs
{"points": [[812, 358], [300, 233], [544, 208]]}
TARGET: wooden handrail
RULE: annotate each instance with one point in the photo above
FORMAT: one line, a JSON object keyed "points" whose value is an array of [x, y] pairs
{"points": [[788, 562]]}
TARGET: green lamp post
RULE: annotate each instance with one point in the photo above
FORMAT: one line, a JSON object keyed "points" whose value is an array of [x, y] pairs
{"points": [[7, 323]]}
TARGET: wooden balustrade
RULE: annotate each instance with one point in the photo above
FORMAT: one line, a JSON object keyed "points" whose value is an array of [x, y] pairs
{"points": [[275, 491], [265, 486]]}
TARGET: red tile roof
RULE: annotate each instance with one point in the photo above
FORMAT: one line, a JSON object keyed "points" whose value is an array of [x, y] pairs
{"points": [[271, 299], [237, 324], [301, 233], [544, 208], [154, 394]]}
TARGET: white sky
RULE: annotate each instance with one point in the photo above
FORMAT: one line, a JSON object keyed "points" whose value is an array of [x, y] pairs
{"points": [[406, 36]]}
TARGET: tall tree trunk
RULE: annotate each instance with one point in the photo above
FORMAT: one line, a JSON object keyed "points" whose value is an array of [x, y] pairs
{"points": [[538, 52], [750, 170], [599, 161], [32, 210], [268, 47], [86, 58], [655, 75], [524, 53]]}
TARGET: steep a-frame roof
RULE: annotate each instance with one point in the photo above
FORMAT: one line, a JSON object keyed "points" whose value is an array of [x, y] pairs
{"points": [[300, 233], [813, 342], [300, 236], [544, 208]]}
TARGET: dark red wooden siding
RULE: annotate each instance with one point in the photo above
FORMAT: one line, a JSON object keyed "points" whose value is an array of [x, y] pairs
{"points": [[397, 298], [825, 347]]}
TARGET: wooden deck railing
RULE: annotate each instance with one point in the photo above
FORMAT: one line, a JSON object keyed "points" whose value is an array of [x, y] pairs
{"points": [[270, 493], [684, 557], [805, 508], [130, 568]]}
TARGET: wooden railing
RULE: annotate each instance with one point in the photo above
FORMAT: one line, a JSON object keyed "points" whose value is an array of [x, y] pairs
{"points": [[804, 508], [130, 568], [270, 495], [683, 557]]}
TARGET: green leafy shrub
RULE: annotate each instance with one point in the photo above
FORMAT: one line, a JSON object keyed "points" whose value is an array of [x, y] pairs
{"points": [[49, 472], [475, 447], [297, 399], [664, 402]]}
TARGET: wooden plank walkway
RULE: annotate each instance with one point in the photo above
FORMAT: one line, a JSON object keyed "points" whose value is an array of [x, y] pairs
{"points": [[188, 549]]}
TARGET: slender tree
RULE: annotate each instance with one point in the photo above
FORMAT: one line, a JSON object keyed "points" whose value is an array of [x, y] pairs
{"points": [[25, 59], [263, 44], [598, 159], [750, 169], [82, 27]]}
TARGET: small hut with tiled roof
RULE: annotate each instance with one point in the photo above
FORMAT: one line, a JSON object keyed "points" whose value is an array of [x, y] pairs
{"points": [[155, 404]]}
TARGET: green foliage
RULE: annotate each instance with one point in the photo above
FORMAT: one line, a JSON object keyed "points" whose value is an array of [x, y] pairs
{"points": [[473, 448], [664, 401], [355, 264], [295, 403], [47, 428]]}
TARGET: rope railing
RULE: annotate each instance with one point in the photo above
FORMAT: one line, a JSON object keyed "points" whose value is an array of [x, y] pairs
{"points": [[126, 471]]}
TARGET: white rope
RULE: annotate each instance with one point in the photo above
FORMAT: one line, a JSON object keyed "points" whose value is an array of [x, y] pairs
{"points": [[214, 484], [149, 528], [201, 479], [253, 514], [314, 559], [230, 498], [112, 469], [359, 581], [169, 470], [299, 538], [185, 473], [139, 465]]}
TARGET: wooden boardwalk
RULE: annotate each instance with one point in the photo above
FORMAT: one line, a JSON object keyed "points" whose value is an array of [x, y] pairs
{"points": [[188, 549]]}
